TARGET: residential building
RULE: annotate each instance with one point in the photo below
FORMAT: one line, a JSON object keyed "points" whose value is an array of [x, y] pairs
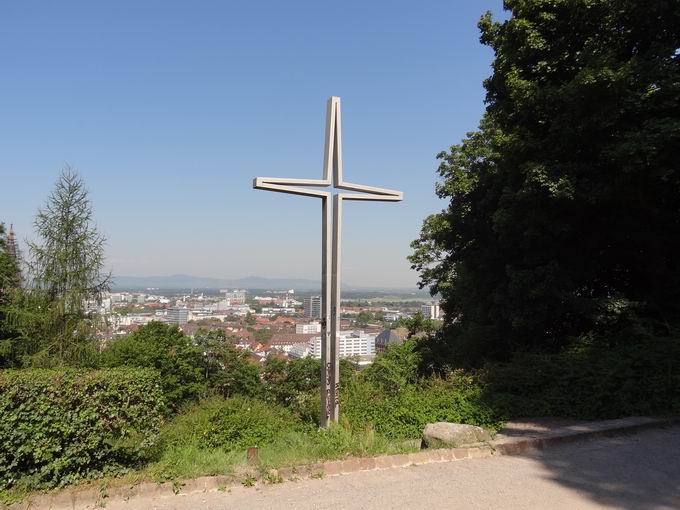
{"points": [[350, 343], [431, 311], [285, 341], [305, 329], [271, 310], [312, 306], [390, 337]]}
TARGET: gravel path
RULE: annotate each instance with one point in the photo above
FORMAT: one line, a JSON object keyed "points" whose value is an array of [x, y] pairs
{"points": [[640, 472]]}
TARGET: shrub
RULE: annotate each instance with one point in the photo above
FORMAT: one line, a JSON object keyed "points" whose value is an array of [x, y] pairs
{"points": [[294, 384], [404, 412], [590, 381], [240, 423], [169, 351], [60, 426], [396, 368]]}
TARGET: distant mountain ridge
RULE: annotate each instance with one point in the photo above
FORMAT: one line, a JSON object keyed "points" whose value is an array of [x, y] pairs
{"points": [[178, 281], [183, 281]]}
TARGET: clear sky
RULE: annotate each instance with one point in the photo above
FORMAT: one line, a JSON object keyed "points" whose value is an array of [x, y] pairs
{"points": [[169, 109]]}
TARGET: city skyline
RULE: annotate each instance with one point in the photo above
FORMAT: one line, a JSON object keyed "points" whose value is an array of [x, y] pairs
{"points": [[193, 102]]}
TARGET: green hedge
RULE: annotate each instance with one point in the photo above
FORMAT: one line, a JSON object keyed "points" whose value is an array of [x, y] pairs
{"points": [[60, 426]]}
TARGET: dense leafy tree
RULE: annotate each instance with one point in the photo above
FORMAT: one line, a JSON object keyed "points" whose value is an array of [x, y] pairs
{"points": [[250, 319], [294, 384], [167, 349], [227, 369], [417, 326], [563, 212], [363, 318]]}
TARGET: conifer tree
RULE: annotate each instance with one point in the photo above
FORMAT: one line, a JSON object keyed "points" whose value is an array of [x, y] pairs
{"points": [[65, 277]]}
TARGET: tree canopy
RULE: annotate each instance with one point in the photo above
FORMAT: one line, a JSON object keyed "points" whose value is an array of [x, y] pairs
{"points": [[563, 214]]}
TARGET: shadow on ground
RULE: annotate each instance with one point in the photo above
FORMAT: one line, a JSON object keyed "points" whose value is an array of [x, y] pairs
{"points": [[638, 471]]}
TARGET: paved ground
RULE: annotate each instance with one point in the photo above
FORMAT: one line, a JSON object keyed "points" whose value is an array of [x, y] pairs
{"points": [[639, 471]]}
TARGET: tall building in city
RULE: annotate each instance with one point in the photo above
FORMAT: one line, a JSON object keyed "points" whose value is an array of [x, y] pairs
{"points": [[431, 311], [350, 343], [313, 307], [177, 316]]}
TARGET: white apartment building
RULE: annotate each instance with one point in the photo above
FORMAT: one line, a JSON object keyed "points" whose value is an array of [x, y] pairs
{"points": [[350, 343], [431, 311], [271, 310], [308, 329]]}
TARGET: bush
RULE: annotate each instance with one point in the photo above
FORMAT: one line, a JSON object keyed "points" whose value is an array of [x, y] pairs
{"points": [[590, 381], [166, 349], [294, 384], [60, 426], [240, 423], [404, 412], [396, 368]]}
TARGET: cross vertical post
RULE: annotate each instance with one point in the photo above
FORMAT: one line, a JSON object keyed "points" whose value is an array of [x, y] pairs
{"points": [[326, 344], [331, 249]]}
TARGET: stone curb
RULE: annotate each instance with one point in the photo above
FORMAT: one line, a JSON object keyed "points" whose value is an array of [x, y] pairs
{"points": [[94, 498]]}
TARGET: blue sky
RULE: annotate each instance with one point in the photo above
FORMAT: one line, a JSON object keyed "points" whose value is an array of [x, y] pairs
{"points": [[169, 109]]}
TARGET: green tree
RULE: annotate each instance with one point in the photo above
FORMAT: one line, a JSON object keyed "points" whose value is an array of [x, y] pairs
{"points": [[67, 265], [563, 213], [167, 349], [417, 326], [52, 319], [294, 384], [263, 335], [363, 318], [250, 319], [10, 281], [227, 370], [10, 271]]}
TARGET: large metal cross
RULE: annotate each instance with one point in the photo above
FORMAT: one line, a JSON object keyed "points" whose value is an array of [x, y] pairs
{"points": [[330, 247]]}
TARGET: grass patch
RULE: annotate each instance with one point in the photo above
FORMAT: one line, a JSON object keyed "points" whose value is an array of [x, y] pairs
{"points": [[188, 442]]}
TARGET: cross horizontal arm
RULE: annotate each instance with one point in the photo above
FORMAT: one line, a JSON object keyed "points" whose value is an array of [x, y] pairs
{"points": [[362, 188], [290, 189], [321, 183], [370, 197]]}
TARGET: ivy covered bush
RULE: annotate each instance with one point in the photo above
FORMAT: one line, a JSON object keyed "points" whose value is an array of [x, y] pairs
{"points": [[60, 426]]}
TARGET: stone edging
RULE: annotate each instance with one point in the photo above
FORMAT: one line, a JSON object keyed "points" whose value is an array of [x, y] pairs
{"points": [[74, 498]]}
